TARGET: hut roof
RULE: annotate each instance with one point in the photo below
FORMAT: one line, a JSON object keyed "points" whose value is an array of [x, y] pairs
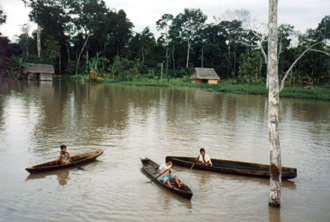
{"points": [[39, 68], [204, 73]]}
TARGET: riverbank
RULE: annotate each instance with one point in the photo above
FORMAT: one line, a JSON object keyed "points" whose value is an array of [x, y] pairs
{"points": [[320, 92]]}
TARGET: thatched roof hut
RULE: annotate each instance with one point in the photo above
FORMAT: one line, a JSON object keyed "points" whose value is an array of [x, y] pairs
{"points": [[205, 75], [39, 71]]}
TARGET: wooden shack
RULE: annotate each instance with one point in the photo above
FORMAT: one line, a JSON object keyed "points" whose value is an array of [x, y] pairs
{"points": [[205, 75], [42, 72]]}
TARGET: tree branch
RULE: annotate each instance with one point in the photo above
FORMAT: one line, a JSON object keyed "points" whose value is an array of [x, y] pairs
{"points": [[316, 50], [294, 63]]}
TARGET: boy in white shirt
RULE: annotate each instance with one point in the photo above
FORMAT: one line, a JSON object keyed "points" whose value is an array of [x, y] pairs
{"points": [[204, 159], [165, 170]]}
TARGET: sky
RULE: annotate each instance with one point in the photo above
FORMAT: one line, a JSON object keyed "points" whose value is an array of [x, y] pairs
{"points": [[302, 14]]}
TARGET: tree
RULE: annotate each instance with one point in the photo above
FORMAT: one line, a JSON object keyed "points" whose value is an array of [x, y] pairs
{"points": [[215, 50], [141, 46], [24, 39], [232, 30], [164, 23], [17, 66], [89, 18], [314, 46], [242, 15], [122, 32], [8, 50], [54, 19], [147, 42], [273, 108], [3, 17], [189, 23], [294, 63]]}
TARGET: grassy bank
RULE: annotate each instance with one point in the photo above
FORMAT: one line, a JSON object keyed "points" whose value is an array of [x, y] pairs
{"points": [[322, 92]]}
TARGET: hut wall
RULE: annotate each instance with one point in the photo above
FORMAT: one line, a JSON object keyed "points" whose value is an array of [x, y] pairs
{"points": [[197, 81], [212, 81], [46, 77], [33, 76]]}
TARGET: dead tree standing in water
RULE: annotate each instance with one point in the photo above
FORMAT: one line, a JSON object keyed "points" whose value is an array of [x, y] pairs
{"points": [[273, 108]]}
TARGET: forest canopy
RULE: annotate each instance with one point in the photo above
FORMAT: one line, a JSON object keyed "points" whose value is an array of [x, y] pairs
{"points": [[80, 36]]}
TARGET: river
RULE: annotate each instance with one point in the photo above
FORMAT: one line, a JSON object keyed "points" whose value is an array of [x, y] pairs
{"points": [[130, 122]]}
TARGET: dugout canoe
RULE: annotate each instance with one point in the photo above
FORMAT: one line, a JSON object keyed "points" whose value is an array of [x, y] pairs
{"points": [[232, 167], [78, 159], [151, 168]]}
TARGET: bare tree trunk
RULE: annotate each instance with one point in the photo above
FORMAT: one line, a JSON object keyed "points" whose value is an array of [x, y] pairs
{"points": [[81, 53], [273, 109], [291, 77], [202, 58], [68, 51], [173, 56], [188, 52], [260, 66], [229, 59], [167, 57], [59, 63], [87, 56], [234, 66], [38, 41], [161, 70]]}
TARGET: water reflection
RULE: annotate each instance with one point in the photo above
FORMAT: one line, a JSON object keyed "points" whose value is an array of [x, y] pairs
{"points": [[264, 181], [128, 122], [62, 176], [274, 214], [204, 177]]}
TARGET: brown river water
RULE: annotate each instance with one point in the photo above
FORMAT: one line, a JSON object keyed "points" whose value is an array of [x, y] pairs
{"points": [[133, 122]]}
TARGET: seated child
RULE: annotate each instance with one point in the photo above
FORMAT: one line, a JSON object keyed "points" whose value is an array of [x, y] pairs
{"points": [[63, 156]]}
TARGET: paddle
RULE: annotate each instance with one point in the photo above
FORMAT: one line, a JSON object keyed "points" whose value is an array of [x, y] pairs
{"points": [[194, 162], [79, 168], [160, 174]]}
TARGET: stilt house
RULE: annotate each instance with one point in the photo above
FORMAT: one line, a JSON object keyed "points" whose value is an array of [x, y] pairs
{"points": [[205, 75], [42, 72]]}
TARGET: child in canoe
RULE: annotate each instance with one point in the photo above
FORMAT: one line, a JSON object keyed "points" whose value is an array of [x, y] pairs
{"points": [[204, 159], [63, 156], [165, 170]]}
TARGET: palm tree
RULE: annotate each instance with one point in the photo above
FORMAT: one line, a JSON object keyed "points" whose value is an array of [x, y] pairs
{"points": [[17, 66]]}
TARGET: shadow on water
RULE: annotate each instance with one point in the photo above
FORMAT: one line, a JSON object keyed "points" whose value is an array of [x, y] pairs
{"points": [[274, 214], [62, 176], [285, 183], [204, 177], [165, 194]]}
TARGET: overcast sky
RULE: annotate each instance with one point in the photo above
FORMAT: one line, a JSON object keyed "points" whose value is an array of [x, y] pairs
{"points": [[302, 14]]}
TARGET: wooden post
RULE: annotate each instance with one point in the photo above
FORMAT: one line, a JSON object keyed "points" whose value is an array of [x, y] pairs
{"points": [[273, 108]]}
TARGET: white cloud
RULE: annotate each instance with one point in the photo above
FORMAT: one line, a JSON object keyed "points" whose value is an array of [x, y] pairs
{"points": [[17, 15]]}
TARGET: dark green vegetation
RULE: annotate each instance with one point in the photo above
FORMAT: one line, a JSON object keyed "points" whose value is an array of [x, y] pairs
{"points": [[88, 38], [321, 92]]}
